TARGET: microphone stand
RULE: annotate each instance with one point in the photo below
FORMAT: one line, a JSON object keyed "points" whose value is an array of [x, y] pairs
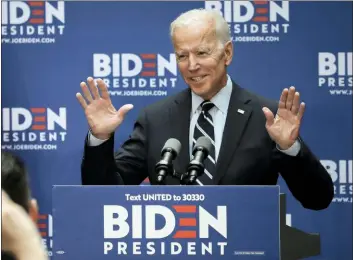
{"points": [[164, 169], [195, 169], [186, 179]]}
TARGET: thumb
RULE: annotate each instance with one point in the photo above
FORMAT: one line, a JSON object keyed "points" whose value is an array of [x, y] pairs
{"points": [[269, 116], [123, 110]]}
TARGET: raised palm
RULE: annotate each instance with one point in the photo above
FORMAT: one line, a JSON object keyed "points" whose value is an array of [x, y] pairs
{"points": [[284, 127], [101, 115]]}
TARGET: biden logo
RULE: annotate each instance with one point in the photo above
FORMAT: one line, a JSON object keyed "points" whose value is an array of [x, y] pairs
{"points": [[335, 72], [31, 22], [130, 74], [254, 21], [35, 128], [162, 230]]}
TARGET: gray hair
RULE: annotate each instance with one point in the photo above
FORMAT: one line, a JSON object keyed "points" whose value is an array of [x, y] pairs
{"points": [[222, 28]]}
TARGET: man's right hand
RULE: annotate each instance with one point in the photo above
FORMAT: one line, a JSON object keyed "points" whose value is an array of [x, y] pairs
{"points": [[101, 115]]}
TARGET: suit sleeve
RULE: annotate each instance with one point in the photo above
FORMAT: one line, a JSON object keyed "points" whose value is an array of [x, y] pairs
{"points": [[306, 178], [128, 166]]}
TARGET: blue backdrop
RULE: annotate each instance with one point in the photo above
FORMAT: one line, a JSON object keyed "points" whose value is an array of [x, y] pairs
{"points": [[49, 48]]}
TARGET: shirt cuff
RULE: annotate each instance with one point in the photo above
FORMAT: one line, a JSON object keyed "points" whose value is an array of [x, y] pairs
{"points": [[293, 150], [94, 141]]}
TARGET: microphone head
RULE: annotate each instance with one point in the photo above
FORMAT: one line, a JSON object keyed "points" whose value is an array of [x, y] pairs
{"points": [[172, 144], [203, 143]]}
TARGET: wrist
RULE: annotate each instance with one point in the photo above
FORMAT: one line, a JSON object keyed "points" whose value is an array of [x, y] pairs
{"points": [[101, 136], [285, 146]]}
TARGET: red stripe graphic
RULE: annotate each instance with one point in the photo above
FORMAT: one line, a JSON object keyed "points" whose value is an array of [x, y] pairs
{"points": [[38, 127], [33, 3], [185, 234], [149, 65], [261, 10], [148, 56], [38, 110], [36, 20], [39, 119], [42, 225], [185, 208], [260, 2], [37, 12], [148, 73], [260, 19], [187, 222]]}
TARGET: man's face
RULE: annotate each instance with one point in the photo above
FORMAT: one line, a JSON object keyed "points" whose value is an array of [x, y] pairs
{"points": [[202, 60]]}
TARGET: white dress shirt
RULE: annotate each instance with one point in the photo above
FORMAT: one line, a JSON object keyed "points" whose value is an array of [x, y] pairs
{"points": [[219, 115]]}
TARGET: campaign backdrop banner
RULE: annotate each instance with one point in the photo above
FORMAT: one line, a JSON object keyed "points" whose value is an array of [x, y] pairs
{"points": [[48, 48], [166, 222]]}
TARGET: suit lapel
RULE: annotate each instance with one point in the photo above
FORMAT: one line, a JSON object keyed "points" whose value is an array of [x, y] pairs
{"points": [[237, 117], [179, 118]]}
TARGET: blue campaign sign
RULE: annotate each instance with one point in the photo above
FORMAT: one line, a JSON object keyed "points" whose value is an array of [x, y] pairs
{"points": [[165, 222], [277, 44]]}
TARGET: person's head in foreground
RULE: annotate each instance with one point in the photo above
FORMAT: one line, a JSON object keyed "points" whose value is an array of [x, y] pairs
{"points": [[14, 181], [20, 236]]}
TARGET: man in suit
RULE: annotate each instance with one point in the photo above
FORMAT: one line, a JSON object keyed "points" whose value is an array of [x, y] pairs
{"points": [[253, 139]]}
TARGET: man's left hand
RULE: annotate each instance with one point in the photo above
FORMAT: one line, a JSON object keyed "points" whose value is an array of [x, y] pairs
{"points": [[284, 128]]}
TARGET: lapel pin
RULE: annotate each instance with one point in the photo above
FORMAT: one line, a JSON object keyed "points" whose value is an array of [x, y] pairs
{"points": [[240, 111]]}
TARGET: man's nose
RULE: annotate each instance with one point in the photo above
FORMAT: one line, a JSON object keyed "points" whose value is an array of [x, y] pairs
{"points": [[193, 63]]}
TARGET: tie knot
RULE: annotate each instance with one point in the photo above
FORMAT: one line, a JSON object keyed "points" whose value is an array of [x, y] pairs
{"points": [[206, 105]]}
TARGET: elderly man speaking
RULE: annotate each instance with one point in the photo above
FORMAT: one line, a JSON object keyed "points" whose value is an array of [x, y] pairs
{"points": [[253, 139]]}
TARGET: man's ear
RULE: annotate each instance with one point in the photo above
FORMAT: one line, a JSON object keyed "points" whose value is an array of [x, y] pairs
{"points": [[228, 51], [33, 210]]}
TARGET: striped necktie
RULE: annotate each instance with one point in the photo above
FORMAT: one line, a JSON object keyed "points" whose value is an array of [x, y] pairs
{"points": [[204, 127]]}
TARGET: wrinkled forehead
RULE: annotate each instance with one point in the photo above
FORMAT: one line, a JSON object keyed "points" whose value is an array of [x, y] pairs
{"points": [[200, 34]]}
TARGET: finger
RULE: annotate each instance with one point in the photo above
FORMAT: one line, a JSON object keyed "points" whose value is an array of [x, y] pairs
{"points": [[269, 116], [283, 99], [301, 111], [81, 100], [93, 88], [295, 106], [123, 110], [86, 92], [103, 89], [290, 98]]}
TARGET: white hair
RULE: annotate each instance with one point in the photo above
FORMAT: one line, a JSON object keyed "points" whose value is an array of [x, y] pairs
{"points": [[197, 15]]}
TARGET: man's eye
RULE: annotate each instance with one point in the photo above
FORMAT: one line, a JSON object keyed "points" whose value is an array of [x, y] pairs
{"points": [[181, 57]]}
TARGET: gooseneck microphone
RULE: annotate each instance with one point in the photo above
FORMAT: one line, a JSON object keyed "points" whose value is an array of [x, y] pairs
{"points": [[196, 167], [169, 152]]}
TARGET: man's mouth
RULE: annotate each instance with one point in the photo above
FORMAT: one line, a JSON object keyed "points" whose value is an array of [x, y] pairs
{"points": [[198, 78]]}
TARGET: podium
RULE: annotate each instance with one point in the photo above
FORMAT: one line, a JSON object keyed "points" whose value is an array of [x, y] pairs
{"points": [[175, 222]]}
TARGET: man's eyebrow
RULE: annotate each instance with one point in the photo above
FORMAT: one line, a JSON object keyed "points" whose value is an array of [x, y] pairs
{"points": [[202, 48], [179, 52]]}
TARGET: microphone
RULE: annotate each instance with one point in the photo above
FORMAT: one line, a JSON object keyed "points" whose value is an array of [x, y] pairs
{"points": [[169, 152], [200, 152]]}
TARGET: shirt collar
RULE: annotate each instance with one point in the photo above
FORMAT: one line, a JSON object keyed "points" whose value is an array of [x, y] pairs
{"points": [[220, 100]]}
